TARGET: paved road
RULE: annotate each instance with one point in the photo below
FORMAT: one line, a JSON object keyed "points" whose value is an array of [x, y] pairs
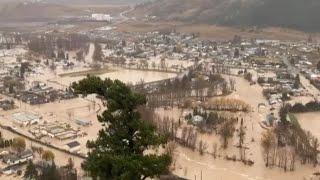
{"points": [[310, 88], [304, 81], [123, 16], [290, 67]]}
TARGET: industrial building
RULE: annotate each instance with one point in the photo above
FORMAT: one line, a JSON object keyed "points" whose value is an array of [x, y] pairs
{"points": [[26, 118]]}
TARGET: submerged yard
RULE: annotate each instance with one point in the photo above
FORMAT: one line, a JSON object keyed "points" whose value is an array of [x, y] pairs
{"points": [[124, 75], [310, 122]]}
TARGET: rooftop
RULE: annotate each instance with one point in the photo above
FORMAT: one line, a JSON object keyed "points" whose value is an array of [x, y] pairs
{"points": [[73, 144], [25, 116]]}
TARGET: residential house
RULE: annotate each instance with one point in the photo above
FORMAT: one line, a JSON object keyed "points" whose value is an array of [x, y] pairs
{"points": [[13, 159], [83, 122]]}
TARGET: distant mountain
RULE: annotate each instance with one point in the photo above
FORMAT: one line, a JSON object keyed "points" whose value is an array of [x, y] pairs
{"points": [[80, 2], [35, 11], [46, 10], [95, 1], [298, 14]]}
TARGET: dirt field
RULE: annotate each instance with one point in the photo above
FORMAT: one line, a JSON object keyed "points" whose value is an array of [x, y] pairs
{"points": [[101, 8], [215, 32]]}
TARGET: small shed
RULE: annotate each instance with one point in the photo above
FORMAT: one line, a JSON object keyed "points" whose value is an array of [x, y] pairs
{"points": [[83, 122], [197, 119], [73, 146]]}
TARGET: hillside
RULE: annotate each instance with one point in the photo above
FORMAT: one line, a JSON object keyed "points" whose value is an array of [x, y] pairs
{"points": [[35, 11], [79, 2], [110, 2], [298, 14], [44, 10]]}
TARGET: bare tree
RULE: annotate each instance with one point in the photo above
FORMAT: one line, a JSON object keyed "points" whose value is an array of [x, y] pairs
{"points": [[202, 147], [214, 149], [268, 141], [241, 135], [226, 131]]}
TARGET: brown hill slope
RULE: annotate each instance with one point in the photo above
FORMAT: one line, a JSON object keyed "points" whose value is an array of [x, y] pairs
{"points": [[36, 11], [299, 14]]}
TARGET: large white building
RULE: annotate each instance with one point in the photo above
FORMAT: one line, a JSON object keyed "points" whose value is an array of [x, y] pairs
{"points": [[26, 118], [101, 17]]}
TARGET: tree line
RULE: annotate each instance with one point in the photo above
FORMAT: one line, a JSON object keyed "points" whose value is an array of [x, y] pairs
{"points": [[47, 45], [311, 106], [288, 142], [227, 104], [190, 85]]}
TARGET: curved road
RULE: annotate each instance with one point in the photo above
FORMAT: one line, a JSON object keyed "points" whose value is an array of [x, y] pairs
{"points": [[123, 16]]}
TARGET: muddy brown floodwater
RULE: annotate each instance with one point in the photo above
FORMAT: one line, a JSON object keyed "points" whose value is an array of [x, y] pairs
{"points": [[310, 122], [124, 75], [190, 164]]}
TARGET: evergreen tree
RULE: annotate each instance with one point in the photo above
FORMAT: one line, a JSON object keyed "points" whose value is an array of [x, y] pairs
{"points": [[61, 54], [236, 53], [97, 54], [23, 68], [80, 56], [119, 151], [31, 171], [283, 112], [50, 172], [297, 81], [68, 172]]}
